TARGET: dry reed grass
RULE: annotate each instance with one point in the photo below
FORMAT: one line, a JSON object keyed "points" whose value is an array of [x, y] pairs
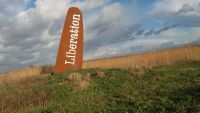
{"points": [[20, 76], [21, 100], [145, 60], [79, 81], [31, 73], [99, 73], [148, 60], [46, 69]]}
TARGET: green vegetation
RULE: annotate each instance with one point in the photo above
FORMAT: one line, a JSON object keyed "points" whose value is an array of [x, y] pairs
{"points": [[164, 89]]}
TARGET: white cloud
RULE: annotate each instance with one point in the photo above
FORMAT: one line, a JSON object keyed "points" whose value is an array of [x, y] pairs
{"points": [[173, 6], [12, 7], [25, 36], [179, 36], [109, 25], [51, 9], [31, 35], [128, 47], [91, 4], [98, 22], [185, 13]]}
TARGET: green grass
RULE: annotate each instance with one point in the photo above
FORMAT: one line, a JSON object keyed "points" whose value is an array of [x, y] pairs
{"points": [[164, 89]]}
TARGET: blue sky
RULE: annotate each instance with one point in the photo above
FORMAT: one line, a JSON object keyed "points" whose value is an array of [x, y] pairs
{"points": [[31, 4], [30, 29]]}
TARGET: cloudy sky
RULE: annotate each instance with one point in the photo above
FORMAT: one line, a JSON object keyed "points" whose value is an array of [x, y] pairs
{"points": [[30, 29]]}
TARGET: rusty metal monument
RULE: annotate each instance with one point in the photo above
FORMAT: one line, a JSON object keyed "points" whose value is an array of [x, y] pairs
{"points": [[70, 52]]}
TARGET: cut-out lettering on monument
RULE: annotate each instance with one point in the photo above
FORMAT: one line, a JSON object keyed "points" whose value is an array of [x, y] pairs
{"points": [[70, 52]]}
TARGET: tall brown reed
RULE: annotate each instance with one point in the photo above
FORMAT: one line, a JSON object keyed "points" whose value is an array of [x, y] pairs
{"points": [[149, 59], [20, 75]]}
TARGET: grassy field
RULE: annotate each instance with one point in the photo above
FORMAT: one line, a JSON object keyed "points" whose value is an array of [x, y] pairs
{"points": [[164, 89], [19, 75], [145, 60]]}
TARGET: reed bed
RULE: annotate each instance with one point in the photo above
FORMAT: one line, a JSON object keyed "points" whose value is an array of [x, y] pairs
{"points": [[149, 59], [144, 60], [20, 75], [39, 94]]}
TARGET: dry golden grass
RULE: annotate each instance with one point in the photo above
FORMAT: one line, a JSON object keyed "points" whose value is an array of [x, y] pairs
{"points": [[144, 60], [19, 76], [21, 97], [21, 100], [148, 60], [30, 98], [79, 81], [46, 69]]}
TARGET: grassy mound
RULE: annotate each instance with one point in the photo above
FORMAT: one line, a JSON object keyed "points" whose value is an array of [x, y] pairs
{"points": [[164, 89]]}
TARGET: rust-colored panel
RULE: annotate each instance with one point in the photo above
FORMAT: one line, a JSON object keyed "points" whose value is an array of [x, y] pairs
{"points": [[70, 52]]}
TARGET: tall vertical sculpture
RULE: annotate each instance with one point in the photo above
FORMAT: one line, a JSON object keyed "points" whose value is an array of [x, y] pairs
{"points": [[70, 52]]}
